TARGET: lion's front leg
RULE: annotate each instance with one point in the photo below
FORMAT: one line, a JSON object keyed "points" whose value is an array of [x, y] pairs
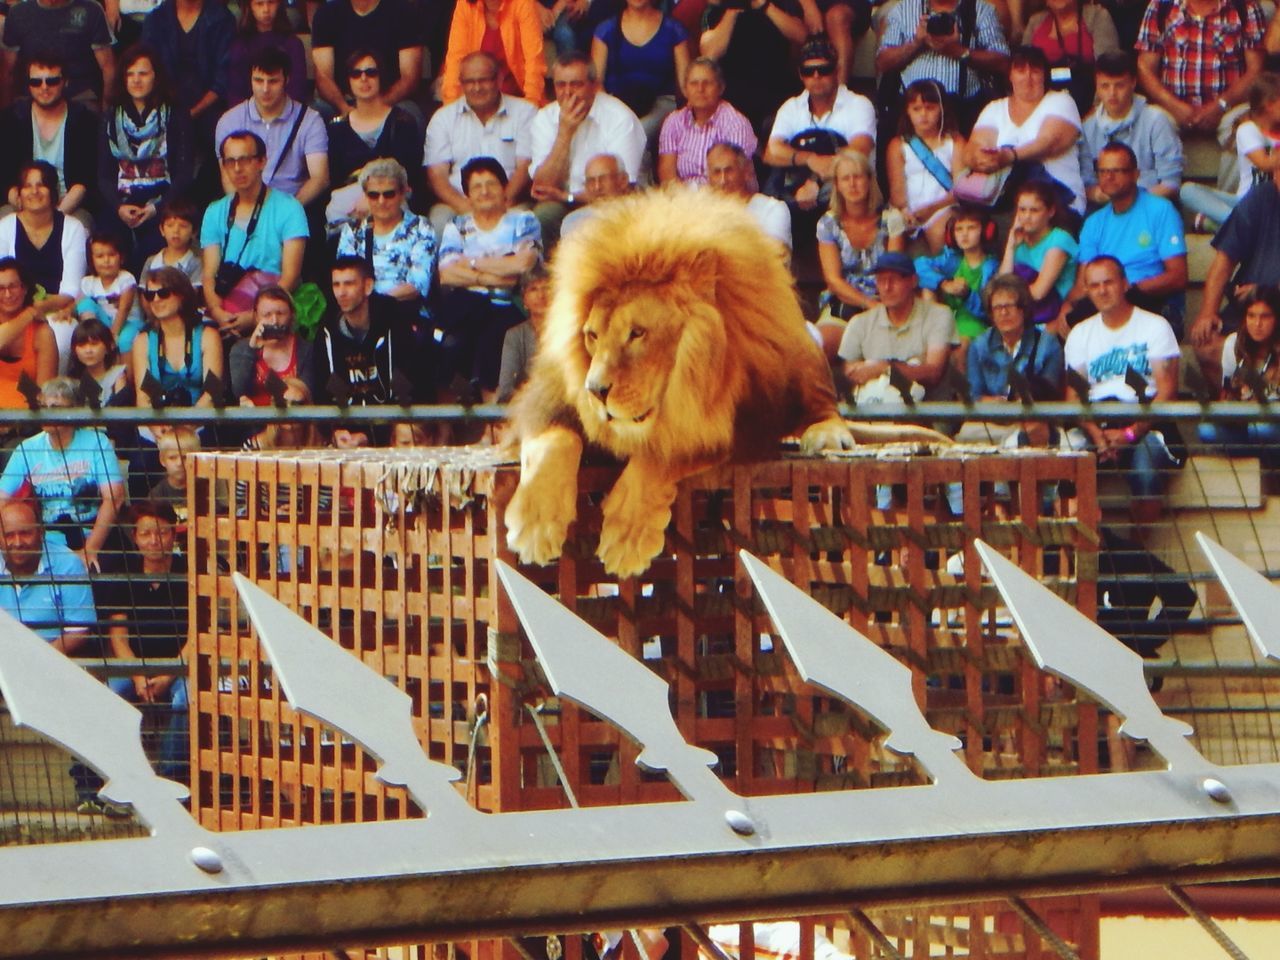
{"points": [[636, 513], [829, 434], [546, 501]]}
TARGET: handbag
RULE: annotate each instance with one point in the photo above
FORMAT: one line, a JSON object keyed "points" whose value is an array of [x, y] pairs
{"points": [[981, 189]]}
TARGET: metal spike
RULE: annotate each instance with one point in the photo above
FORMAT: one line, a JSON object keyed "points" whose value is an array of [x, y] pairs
{"points": [[324, 681], [586, 667], [51, 694], [1069, 645], [1253, 595], [831, 654]]}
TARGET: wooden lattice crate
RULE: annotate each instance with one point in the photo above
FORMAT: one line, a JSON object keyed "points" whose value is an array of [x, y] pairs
{"points": [[363, 545]]}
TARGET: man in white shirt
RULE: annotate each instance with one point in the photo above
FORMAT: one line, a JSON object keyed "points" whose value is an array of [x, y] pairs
{"points": [[583, 122], [728, 169], [483, 122]]}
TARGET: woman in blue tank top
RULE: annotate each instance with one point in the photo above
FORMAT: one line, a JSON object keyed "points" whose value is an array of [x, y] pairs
{"points": [[179, 351]]}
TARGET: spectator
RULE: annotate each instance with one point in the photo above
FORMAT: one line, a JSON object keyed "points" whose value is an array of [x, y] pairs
{"points": [[901, 330], [373, 130], [1103, 349], [729, 170], [67, 138], [43, 585], [1251, 371], [109, 291], [1036, 128], [177, 350], [960, 274], [1197, 58], [922, 161], [254, 229], [172, 448], [605, 178], [145, 610], [143, 160], [752, 42], [1257, 135], [178, 219], [73, 474], [27, 345], [582, 122], [812, 127], [360, 354], [705, 120], [521, 341], [510, 32], [485, 122], [1073, 34], [1143, 232], [263, 24], [297, 151], [388, 27], [274, 347], [482, 257], [50, 245], [642, 56], [94, 354], [959, 43], [1244, 258], [72, 34], [1040, 251], [853, 238], [1124, 116], [285, 434]]}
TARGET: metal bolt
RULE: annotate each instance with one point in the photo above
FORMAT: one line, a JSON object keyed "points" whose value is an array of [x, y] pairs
{"points": [[1216, 789], [740, 822], [206, 859]]}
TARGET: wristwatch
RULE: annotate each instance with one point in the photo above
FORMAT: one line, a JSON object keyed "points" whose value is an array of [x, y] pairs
{"points": [[1223, 105], [965, 55]]}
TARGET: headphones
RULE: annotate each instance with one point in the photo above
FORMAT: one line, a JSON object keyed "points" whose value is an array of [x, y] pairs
{"points": [[988, 235]]}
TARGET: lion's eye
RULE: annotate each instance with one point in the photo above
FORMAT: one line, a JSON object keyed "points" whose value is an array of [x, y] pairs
{"points": [[637, 333], [590, 335]]}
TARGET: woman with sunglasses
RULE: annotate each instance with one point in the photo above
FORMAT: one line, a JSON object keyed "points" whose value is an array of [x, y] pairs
{"points": [[51, 246], [373, 128], [177, 349], [143, 159], [274, 348], [265, 23]]}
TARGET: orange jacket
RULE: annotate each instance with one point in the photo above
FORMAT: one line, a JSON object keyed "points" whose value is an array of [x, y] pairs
{"points": [[521, 32]]}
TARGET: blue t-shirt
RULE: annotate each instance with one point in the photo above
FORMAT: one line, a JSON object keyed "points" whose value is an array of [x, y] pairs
{"points": [[1055, 239], [1141, 238], [67, 482], [282, 219], [56, 596], [635, 74]]}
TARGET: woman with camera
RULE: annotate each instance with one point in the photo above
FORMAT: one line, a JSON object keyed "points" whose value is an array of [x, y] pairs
{"points": [[177, 351], [274, 347]]}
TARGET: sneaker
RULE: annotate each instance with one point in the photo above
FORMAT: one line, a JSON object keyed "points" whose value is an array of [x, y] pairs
{"points": [[93, 807]]}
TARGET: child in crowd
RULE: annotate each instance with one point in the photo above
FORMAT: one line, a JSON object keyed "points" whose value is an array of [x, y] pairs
{"points": [[920, 160], [179, 221], [172, 447], [958, 275], [406, 435], [94, 353], [110, 292], [1040, 251]]}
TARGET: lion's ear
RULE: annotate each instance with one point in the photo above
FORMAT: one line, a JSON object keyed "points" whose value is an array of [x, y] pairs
{"points": [[702, 273]]}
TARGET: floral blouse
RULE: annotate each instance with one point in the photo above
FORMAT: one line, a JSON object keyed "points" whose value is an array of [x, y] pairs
{"points": [[405, 255], [858, 265]]}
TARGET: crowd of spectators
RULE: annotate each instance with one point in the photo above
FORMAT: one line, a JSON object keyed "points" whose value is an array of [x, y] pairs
{"points": [[204, 209]]}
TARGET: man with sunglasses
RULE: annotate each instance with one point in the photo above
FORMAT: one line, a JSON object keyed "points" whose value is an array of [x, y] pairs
{"points": [[73, 32], [811, 127], [50, 127]]}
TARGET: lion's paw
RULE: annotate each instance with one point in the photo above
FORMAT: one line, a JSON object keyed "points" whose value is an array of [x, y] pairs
{"points": [[538, 522], [830, 434], [629, 544]]}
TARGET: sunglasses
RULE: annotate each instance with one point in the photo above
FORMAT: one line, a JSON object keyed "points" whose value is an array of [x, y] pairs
{"points": [[381, 194], [818, 70], [159, 293], [34, 82], [367, 72]]}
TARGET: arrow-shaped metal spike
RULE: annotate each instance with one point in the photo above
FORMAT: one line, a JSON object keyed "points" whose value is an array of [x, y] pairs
{"points": [[831, 654], [324, 681], [55, 697], [1254, 596], [1069, 645], [586, 667]]}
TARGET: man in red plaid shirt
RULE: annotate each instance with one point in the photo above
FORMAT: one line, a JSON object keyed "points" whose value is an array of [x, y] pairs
{"points": [[1198, 58]]}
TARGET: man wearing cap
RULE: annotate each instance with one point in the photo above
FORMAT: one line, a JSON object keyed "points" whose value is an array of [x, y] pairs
{"points": [[903, 331], [812, 127]]}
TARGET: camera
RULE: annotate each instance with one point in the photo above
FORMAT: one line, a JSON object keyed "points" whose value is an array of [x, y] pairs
{"points": [[269, 331], [940, 24]]}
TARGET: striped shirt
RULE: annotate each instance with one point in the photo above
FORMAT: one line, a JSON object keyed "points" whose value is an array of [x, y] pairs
{"points": [[690, 141], [900, 29]]}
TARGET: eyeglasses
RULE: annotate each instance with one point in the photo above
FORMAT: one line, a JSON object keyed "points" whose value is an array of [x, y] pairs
{"points": [[381, 194], [1005, 307], [817, 69], [156, 293], [240, 161], [369, 73], [34, 82]]}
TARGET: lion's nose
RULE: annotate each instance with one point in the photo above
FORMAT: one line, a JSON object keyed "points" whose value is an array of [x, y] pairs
{"points": [[601, 390]]}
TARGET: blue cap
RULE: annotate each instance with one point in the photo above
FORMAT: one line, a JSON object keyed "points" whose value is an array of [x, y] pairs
{"points": [[896, 263]]}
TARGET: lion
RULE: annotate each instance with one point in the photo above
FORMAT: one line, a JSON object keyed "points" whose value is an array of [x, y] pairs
{"points": [[674, 342]]}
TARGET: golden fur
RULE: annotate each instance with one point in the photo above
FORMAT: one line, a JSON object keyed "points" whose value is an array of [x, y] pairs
{"points": [[674, 341]]}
